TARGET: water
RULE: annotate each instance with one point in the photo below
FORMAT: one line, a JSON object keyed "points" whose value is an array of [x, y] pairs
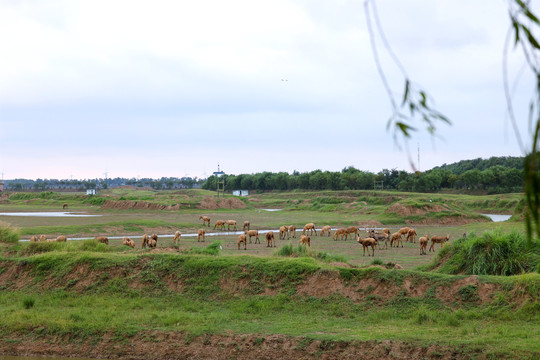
{"points": [[272, 209], [497, 217], [48, 214]]}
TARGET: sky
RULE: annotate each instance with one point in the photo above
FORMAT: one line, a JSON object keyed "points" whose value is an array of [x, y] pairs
{"points": [[174, 88]]}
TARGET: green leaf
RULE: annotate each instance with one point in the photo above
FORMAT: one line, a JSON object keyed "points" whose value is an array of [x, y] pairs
{"points": [[404, 128], [530, 37], [527, 11], [406, 94], [515, 25], [423, 101]]}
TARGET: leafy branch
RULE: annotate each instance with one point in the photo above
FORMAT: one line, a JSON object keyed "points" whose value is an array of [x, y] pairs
{"points": [[524, 23], [416, 103]]}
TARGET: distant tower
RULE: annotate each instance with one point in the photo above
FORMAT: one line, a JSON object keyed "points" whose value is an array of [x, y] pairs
{"points": [[220, 181]]}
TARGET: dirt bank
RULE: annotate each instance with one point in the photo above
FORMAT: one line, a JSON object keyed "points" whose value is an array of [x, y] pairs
{"points": [[210, 203], [176, 345], [136, 205], [447, 215], [356, 284]]}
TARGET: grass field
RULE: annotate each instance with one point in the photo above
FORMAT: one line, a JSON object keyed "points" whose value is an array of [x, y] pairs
{"points": [[361, 208], [114, 301]]}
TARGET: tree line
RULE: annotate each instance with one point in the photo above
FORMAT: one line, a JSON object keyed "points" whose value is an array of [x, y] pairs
{"points": [[494, 175], [100, 183]]}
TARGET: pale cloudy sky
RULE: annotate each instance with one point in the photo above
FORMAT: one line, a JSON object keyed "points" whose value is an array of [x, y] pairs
{"points": [[171, 88]]}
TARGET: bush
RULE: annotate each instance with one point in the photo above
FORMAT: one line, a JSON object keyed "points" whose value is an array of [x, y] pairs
{"points": [[8, 234]]}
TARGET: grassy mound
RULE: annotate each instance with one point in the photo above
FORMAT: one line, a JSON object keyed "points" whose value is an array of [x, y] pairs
{"points": [[492, 253]]}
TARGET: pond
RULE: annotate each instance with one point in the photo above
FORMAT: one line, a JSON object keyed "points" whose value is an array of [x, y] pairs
{"points": [[497, 217], [48, 214]]}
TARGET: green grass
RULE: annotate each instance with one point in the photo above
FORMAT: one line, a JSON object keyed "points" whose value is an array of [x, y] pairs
{"points": [[78, 246], [90, 289], [492, 253], [303, 251], [28, 302], [129, 226], [86, 290], [212, 249], [330, 319], [8, 234]]}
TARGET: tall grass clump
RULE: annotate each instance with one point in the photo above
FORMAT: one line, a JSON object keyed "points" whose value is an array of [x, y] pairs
{"points": [[303, 251], [40, 247], [28, 302], [492, 253], [94, 200], [212, 249], [8, 234], [88, 245]]}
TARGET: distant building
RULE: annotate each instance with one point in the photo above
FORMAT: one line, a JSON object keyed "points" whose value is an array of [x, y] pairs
{"points": [[1, 187], [240, 192], [90, 191]]}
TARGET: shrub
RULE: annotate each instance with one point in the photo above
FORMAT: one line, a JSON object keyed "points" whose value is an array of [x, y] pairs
{"points": [[8, 234]]}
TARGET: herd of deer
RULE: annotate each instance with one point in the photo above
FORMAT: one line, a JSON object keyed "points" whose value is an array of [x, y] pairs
{"points": [[372, 240]]}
